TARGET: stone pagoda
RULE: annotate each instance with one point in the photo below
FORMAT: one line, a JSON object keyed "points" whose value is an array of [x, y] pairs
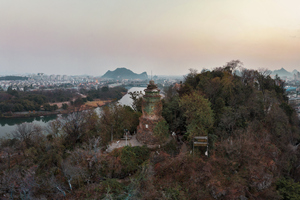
{"points": [[151, 108]]}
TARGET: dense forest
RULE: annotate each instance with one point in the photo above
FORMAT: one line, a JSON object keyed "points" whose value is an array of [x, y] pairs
{"points": [[104, 93], [14, 78], [253, 136], [16, 101]]}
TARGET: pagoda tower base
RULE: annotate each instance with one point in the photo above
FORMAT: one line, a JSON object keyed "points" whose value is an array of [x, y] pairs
{"points": [[145, 131]]}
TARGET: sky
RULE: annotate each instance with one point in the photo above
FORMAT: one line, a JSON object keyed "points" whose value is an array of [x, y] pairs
{"points": [[75, 37]]}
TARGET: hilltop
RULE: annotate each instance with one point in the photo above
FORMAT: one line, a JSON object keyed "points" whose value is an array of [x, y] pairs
{"points": [[124, 73], [253, 152], [283, 72], [295, 71]]}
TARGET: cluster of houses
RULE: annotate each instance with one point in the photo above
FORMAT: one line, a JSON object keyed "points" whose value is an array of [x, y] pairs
{"points": [[42, 81], [293, 93]]}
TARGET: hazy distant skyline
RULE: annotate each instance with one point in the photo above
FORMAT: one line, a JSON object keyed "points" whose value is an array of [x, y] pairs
{"points": [[76, 37]]}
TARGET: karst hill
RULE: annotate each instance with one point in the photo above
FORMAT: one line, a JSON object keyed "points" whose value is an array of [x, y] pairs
{"points": [[124, 73]]}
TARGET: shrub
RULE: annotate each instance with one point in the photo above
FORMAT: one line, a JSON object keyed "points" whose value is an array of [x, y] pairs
{"points": [[131, 158], [112, 186], [64, 106], [161, 130], [288, 189]]}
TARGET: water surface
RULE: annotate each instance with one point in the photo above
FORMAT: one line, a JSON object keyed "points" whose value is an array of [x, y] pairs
{"points": [[9, 125]]}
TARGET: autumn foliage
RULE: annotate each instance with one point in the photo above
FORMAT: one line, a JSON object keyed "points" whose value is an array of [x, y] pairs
{"points": [[253, 136]]}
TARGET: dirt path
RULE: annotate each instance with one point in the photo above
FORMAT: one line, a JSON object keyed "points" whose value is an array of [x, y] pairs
{"points": [[183, 150], [121, 143], [133, 142]]}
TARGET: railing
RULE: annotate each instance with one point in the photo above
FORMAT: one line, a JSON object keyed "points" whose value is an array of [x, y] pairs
{"points": [[200, 141]]}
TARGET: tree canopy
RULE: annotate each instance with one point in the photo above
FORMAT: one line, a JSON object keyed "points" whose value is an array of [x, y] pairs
{"points": [[253, 135]]}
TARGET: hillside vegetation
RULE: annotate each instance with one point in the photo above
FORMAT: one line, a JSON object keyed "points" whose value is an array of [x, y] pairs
{"points": [[253, 138]]}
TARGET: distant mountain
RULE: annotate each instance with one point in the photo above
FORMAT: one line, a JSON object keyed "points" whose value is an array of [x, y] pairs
{"points": [[294, 71], [282, 72], [123, 73]]}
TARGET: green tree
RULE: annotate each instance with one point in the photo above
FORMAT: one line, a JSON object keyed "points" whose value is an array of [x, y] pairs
{"points": [[24, 132], [161, 130], [288, 189], [131, 157], [65, 106], [199, 116], [114, 119], [48, 107], [172, 112], [137, 100], [105, 89], [78, 102], [18, 107], [12, 92]]}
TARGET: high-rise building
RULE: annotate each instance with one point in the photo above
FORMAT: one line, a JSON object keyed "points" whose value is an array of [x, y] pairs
{"points": [[52, 77], [65, 78]]}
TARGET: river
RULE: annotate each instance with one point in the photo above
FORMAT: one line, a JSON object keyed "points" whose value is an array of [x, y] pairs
{"points": [[9, 125]]}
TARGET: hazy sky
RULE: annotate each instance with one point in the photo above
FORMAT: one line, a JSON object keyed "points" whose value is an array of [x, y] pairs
{"points": [[167, 37]]}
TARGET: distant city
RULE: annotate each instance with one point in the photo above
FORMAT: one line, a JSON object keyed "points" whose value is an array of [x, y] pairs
{"points": [[41, 81], [127, 78], [292, 86]]}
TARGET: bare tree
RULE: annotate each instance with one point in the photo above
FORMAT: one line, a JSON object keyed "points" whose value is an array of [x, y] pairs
{"points": [[25, 131], [56, 185], [28, 184], [74, 126], [263, 74], [233, 65], [9, 179], [18, 184], [7, 153], [72, 173], [136, 100], [54, 128], [93, 149], [248, 76]]}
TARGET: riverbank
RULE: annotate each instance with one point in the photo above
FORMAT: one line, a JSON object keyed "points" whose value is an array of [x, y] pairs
{"points": [[29, 114], [88, 105], [42, 118]]}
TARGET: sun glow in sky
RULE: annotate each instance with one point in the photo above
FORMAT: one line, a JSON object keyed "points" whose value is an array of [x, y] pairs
{"points": [[167, 37]]}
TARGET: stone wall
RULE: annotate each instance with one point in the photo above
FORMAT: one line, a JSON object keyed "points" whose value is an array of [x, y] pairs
{"points": [[145, 130]]}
